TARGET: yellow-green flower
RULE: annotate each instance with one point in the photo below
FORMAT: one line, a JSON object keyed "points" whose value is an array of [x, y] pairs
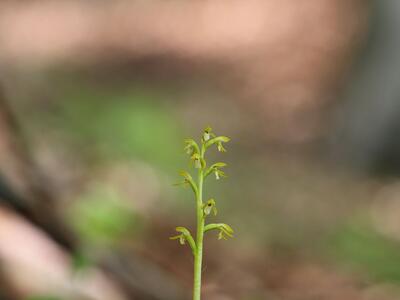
{"points": [[191, 147], [216, 169], [210, 206], [207, 134]]}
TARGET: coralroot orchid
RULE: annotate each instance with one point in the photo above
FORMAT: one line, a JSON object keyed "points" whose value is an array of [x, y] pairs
{"points": [[203, 209]]}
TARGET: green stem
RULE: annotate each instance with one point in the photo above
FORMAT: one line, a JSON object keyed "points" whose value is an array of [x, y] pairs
{"points": [[198, 257]]}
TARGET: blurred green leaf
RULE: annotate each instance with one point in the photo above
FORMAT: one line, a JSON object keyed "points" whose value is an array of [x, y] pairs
{"points": [[367, 250], [100, 217], [137, 123], [80, 261]]}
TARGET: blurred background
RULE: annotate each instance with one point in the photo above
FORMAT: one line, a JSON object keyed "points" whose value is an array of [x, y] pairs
{"points": [[96, 98]]}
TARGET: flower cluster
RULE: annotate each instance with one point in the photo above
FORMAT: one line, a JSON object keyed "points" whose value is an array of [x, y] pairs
{"points": [[196, 153]]}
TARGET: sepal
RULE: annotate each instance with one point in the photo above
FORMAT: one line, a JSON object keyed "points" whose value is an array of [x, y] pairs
{"points": [[188, 180], [216, 169], [191, 147], [184, 237], [218, 141], [225, 230]]}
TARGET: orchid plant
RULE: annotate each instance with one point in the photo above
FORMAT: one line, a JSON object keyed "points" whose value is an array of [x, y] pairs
{"points": [[203, 208]]}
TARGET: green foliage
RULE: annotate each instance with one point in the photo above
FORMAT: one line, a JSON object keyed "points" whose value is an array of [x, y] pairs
{"points": [[203, 209], [119, 125], [80, 261], [363, 248], [100, 217]]}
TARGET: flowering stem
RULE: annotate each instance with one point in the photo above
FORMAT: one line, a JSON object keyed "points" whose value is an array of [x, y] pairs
{"points": [[198, 257], [203, 209]]}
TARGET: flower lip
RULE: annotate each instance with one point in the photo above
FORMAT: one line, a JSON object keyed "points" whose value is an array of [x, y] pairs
{"points": [[210, 206], [207, 134]]}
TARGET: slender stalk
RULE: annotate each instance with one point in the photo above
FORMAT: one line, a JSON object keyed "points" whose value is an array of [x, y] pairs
{"points": [[198, 257], [197, 157]]}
